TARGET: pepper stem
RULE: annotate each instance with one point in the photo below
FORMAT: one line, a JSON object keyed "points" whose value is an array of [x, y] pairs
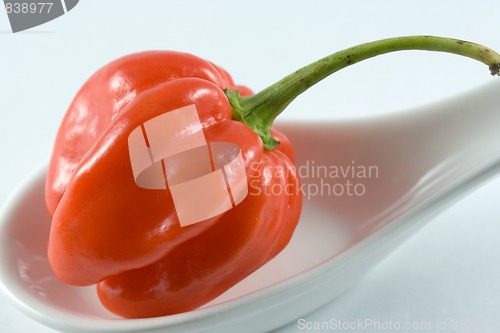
{"points": [[260, 110]]}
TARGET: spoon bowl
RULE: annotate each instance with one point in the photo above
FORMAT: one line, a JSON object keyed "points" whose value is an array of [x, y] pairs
{"points": [[368, 185]]}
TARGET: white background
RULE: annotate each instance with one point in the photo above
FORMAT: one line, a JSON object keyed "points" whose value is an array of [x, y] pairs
{"points": [[449, 272]]}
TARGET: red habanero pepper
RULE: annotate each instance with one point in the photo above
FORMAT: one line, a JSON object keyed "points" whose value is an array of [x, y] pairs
{"points": [[121, 229], [105, 226]]}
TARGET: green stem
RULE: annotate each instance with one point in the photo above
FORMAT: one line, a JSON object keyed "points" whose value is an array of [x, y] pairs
{"points": [[260, 110]]}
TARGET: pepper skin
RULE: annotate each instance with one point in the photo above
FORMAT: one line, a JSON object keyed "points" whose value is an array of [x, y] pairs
{"points": [[106, 230], [205, 266]]}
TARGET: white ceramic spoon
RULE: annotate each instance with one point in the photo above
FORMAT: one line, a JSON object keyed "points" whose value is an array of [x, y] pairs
{"points": [[416, 164]]}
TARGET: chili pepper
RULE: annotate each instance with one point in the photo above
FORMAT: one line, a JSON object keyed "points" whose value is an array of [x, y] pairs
{"points": [[128, 239]]}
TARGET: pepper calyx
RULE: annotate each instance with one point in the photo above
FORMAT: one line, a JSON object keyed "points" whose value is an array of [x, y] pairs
{"points": [[260, 125]]}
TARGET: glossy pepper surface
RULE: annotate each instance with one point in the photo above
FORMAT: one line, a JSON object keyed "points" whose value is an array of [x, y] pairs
{"points": [[127, 239], [109, 231]]}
